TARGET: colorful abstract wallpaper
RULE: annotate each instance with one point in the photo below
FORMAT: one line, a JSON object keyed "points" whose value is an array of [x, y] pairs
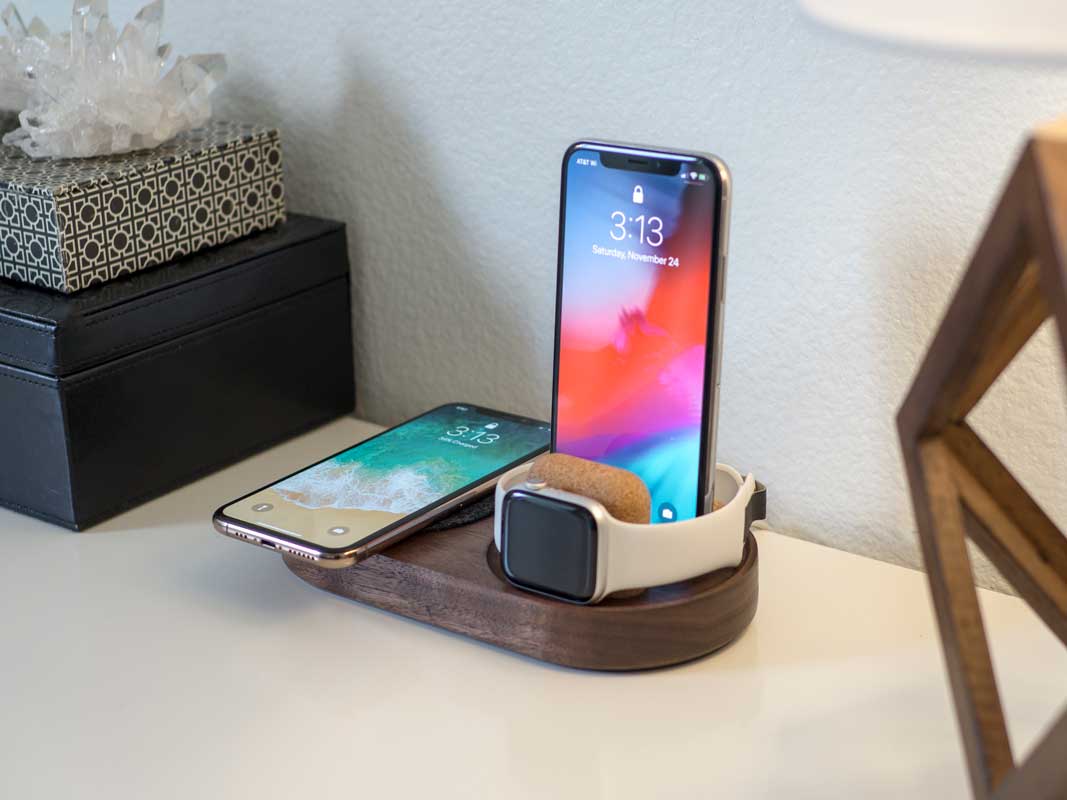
{"points": [[634, 321]]}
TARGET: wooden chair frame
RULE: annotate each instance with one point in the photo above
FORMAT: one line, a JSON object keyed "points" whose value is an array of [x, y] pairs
{"points": [[960, 490]]}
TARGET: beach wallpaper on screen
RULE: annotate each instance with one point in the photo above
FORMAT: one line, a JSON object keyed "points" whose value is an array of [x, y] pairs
{"points": [[384, 479], [633, 325]]}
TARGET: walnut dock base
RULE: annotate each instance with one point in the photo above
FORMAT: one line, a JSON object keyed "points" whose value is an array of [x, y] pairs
{"points": [[452, 579]]}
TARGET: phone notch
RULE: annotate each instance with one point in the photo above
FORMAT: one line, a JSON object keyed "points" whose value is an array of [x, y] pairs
{"points": [[640, 163]]}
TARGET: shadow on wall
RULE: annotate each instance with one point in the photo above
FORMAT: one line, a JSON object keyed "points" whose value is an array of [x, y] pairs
{"points": [[418, 309], [917, 283]]}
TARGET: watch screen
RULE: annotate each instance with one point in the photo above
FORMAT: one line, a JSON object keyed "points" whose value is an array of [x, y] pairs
{"points": [[634, 338], [549, 545]]}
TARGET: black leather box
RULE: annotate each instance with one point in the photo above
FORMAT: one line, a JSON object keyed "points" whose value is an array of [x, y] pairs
{"points": [[125, 391]]}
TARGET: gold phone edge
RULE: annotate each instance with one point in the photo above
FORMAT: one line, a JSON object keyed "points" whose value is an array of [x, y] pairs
{"points": [[267, 540]]}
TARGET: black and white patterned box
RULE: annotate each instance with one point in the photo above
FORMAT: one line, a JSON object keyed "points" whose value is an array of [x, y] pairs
{"points": [[69, 223]]}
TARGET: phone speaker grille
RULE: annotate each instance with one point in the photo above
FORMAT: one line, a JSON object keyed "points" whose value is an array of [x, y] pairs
{"points": [[298, 553]]}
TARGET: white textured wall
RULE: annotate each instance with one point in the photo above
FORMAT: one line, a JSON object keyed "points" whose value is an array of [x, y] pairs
{"points": [[863, 174]]}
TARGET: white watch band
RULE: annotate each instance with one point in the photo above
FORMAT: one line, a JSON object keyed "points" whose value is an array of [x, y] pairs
{"points": [[638, 556], [654, 555]]}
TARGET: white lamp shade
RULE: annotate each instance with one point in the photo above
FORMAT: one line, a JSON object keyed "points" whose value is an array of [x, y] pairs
{"points": [[1024, 27]]}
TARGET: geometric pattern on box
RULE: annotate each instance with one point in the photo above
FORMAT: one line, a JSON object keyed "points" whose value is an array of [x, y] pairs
{"points": [[960, 491], [66, 224]]}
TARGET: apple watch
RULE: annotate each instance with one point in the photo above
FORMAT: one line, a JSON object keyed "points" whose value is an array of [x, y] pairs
{"points": [[568, 547]]}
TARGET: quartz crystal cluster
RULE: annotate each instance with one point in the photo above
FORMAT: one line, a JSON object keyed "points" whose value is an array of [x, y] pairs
{"points": [[95, 90]]}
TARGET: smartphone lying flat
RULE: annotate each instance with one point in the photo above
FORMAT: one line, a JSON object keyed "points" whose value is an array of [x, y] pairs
{"points": [[639, 310], [359, 501]]}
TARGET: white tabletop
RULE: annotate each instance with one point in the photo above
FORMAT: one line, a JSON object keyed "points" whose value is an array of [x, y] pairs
{"points": [[153, 658]]}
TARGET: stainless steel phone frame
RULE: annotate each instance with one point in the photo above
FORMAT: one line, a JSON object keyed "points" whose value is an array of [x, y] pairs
{"points": [[717, 304], [265, 538]]}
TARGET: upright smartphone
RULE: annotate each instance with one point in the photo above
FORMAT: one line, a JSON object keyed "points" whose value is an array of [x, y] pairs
{"points": [[639, 301], [357, 502]]}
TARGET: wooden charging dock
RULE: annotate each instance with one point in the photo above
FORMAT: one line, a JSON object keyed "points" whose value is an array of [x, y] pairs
{"points": [[452, 579]]}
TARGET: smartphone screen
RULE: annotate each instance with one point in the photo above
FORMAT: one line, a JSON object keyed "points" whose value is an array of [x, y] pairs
{"points": [[375, 486], [637, 306]]}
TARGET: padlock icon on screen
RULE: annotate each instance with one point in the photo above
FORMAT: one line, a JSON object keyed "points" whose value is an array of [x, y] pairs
{"points": [[639, 194]]}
